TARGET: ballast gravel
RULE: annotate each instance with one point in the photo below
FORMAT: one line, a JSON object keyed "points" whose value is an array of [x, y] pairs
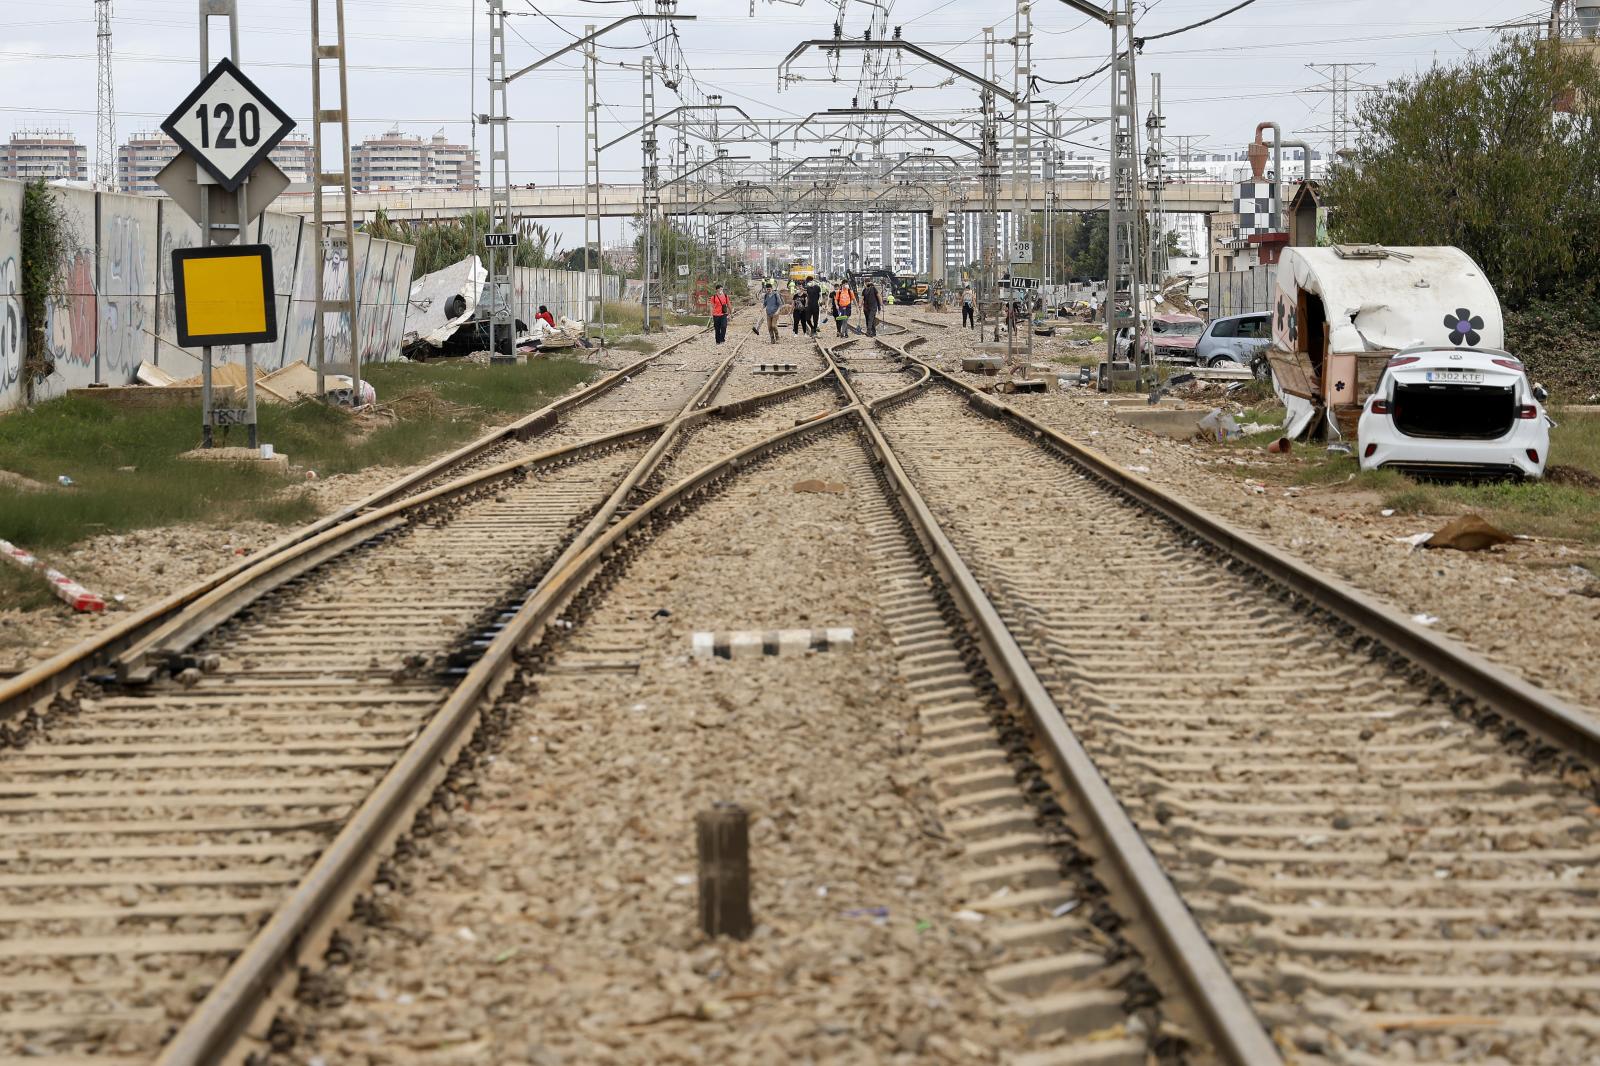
{"points": [[552, 918], [1528, 606]]}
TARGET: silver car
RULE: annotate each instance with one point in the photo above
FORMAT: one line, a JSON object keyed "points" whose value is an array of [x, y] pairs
{"points": [[1236, 337]]}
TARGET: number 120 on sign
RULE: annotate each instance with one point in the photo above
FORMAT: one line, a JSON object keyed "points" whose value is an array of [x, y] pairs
{"points": [[227, 125]]}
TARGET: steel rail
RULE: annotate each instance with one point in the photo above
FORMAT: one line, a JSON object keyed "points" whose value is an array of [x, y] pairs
{"points": [[1563, 725], [1232, 1028], [53, 676], [297, 931]]}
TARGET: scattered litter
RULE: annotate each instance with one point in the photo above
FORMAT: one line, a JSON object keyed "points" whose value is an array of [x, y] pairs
{"points": [[76, 596], [508, 953], [1469, 533], [466, 934], [637, 708], [1251, 428], [1220, 425], [1066, 908], [683, 880], [1416, 540], [1279, 446], [822, 891], [879, 915], [1340, 449], [1140, 469], [1256, 487], [814, 485], [968, 916], [65, 482], [661, 612], [1387, 512], [1425, 619], [311, 475]]}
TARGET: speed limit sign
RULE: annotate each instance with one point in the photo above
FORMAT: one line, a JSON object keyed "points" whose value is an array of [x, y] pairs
{"points": [[228, 125]]}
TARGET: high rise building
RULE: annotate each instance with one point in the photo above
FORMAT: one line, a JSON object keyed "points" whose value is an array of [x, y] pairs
{"points": [[51, 155], [143, 156], [398, 161]]}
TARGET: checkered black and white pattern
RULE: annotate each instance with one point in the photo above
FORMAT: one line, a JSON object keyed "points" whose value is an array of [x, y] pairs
{"points": [[1252, 202]]}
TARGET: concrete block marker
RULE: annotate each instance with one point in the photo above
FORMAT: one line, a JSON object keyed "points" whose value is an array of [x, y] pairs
{"points": [[750, 643], [76, 596]]}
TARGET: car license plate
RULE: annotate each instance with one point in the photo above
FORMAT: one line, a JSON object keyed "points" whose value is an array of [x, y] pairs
{"points": [[1472, 377]]}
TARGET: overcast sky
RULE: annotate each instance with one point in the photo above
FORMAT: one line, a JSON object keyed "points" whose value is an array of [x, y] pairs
{"points": [[412, 62]]}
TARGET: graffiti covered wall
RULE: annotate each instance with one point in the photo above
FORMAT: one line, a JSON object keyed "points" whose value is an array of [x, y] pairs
{"points": [[114, 308], [13, 329], [127, 254], [71, 316], [282, 234]]}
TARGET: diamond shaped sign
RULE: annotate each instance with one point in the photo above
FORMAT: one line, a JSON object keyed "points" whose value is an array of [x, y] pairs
{"points": [[228, 125]]}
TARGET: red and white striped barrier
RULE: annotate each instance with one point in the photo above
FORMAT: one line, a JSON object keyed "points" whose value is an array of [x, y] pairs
{"points": [[752, 642], [78, 597]]}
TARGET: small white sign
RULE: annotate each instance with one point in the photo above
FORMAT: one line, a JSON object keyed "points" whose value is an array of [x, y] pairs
{"points": [[1022, 252], [683, 270], [228, 125]]}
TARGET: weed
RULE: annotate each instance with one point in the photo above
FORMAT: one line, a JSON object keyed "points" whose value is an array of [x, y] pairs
{"points": [[128, 475], [21, 590]]}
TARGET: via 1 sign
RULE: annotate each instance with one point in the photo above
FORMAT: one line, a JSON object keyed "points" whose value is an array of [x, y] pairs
{"points": [[499, 240], [228, 125]]}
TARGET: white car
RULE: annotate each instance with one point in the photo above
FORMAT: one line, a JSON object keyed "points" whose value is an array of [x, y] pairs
{"points": [[1454, 412]]}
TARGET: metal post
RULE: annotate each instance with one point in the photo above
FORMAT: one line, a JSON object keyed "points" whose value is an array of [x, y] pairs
{"points": [[989, 226], [593, 306], [227, 9], [650, 254], [1123, 258], [341, 180], [1022, 144], [502, 262], [1156, 173]]}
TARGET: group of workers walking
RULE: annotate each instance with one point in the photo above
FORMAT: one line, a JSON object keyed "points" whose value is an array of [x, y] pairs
{"points": [[806, 301]]}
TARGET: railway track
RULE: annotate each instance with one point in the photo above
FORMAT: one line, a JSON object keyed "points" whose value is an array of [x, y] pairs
{"points": [[1211, 806], [1393, 870], [153, 826]]}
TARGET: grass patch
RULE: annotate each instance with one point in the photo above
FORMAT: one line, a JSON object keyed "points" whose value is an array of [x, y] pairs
{"points": [[128, 476], [1554, 507], [21, 590]]}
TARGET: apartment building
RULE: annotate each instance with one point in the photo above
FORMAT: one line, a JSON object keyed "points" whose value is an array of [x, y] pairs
{"points": [[400, 161], [145, 154], [51, 155]]}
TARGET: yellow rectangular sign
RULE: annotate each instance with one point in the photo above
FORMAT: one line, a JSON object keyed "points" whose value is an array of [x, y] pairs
{"points": [[224, 296]]}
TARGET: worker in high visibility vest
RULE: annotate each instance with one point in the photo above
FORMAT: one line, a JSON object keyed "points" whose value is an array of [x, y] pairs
{"points": [[843, 297]]}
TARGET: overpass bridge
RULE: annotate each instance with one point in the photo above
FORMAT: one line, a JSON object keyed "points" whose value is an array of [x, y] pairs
{"points": [[940, 199]]}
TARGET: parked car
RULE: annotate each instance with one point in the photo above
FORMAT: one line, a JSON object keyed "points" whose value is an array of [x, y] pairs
{"points": [[1167, 338], [1455, 412], [1236, 337]]}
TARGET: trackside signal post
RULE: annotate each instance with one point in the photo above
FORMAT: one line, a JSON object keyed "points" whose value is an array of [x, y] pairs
{"points": [[224, 129]]}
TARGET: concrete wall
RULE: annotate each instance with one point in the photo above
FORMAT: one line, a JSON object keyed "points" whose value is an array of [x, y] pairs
{"points": [[559, 290], [1240, 292], [115, 309], [11, 328]]}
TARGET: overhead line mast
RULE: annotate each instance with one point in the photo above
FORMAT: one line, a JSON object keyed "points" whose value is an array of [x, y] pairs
{"points": [[105, 150]]}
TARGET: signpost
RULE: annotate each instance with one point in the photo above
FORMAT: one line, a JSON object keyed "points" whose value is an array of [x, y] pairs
{"points": [[1022, 253], [499, 240], [224, 129]]}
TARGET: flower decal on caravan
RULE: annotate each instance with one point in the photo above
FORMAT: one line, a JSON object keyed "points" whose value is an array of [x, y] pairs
{"points": [[1464, 327]]}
